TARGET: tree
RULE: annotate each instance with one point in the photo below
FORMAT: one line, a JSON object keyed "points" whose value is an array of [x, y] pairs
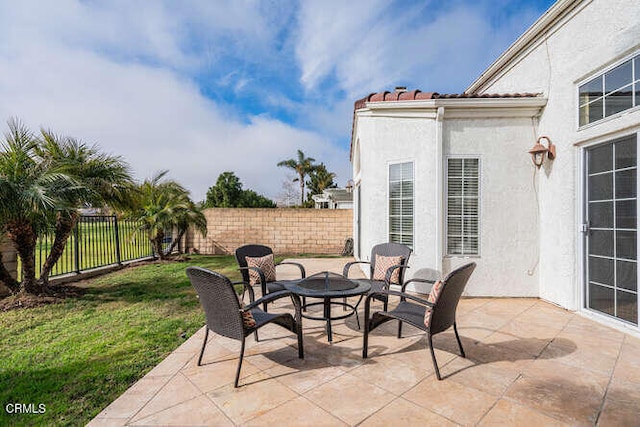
{"points": [[289, 194], [31, 190], [228, 193], [100, 179], [303, 166], [319, 180], [164, 205]]}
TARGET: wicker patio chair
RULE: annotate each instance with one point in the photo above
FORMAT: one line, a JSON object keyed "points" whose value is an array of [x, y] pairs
{"points": [[412, 310], [224, 315], [387, 250], [258, 251]]}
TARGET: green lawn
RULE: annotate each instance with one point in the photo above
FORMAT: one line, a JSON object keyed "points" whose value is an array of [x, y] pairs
{"points": [[78, 356]]}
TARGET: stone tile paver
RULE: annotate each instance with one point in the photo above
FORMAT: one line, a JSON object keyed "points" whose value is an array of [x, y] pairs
{"points": [[528, 363]]}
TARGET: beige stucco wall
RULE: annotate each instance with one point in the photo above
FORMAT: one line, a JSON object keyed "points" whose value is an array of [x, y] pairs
{"points": [[508, 215], [286, 231], [594, 36]]}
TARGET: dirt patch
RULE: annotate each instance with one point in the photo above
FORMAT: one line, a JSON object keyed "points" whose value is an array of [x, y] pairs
{"points": [[55, 295]]}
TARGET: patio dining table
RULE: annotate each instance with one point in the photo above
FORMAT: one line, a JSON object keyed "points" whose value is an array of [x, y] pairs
{"points": [[328, 286]]}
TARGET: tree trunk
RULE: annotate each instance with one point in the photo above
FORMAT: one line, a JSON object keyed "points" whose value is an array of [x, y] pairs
{"points": [[174, 242], [24, 240], [157, 244], [301, 190], [64, 226], [7, 279]]}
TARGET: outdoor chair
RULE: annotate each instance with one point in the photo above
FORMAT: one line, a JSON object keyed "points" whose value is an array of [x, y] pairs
{"points": [[383, 273], [227, 317], [263, 269], [434, 315]]}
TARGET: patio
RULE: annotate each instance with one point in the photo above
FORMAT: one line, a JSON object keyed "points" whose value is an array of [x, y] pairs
{"points": [[528, 363]]}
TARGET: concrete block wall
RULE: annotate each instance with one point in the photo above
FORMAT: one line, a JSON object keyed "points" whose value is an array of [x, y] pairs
{"points": [[10, 261], [285, 230]]}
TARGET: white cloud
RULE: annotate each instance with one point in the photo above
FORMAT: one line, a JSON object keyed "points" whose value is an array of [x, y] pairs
{"points": [[369, 46], [71, 77]]}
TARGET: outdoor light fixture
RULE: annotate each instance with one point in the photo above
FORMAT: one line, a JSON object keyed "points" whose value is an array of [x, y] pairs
{"points": [[539, 150]]}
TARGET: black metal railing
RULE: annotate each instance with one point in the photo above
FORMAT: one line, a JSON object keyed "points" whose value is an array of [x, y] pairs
{"points": [[97, 241]]}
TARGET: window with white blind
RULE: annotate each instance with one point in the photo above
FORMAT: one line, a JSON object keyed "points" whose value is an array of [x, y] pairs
{"points": [[401, 203], [463, 201]]}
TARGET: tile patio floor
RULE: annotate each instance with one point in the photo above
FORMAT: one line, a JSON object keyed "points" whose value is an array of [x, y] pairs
{"points": [[529, 363]]}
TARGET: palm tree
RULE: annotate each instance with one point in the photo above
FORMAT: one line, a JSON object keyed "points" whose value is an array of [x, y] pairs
{"points": [[303, 166], [320, 179], [163, 205], [101, 180], [31, 190], [191, 216]]}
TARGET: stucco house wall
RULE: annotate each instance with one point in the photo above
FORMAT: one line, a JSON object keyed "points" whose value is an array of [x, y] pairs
{"points": [[588, 38], [531, 240]]}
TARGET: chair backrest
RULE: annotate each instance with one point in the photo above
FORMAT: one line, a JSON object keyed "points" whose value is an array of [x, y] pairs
{"points": [[250, 251], [390, 249], [444, 310], [219, 301]]}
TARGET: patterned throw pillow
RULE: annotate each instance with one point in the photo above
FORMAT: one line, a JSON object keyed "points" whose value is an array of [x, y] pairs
{"points": [[382, 265], [265, 264], [247, 318], [436, 289]]}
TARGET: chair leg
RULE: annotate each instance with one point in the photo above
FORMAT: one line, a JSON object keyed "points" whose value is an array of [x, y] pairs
{"points": [[386, 305], [239, 363], [365, 335], [455, 329], [399, 328], [304, 303], [300, 345], [204, 344], [433, 356]]}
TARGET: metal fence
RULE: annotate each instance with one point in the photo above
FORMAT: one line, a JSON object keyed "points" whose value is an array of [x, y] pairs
{"points": [[97, 241]]}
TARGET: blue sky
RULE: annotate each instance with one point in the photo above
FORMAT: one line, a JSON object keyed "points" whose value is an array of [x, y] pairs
{"points": [[205, 86]]}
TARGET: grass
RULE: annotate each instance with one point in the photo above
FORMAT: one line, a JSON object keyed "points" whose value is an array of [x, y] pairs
{"points": [[78, 356]]}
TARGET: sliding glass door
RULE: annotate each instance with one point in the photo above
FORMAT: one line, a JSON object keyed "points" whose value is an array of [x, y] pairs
{"points": [[611, 285]]}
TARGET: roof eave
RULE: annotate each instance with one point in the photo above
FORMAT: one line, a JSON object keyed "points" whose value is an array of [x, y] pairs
{"points": [[546, 21]]}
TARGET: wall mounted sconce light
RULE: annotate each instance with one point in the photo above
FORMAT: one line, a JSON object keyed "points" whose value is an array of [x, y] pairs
{"points": [[539, 150]]}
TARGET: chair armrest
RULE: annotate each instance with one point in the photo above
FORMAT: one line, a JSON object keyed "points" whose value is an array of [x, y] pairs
{"points": [[246, 287], [347, 266], [390, 270], [303, 273], [263, 279], [274, 296], [404, 285], [403, 295]]}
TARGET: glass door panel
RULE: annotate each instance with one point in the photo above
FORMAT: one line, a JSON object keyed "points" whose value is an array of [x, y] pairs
{"points": [[611, 241]]}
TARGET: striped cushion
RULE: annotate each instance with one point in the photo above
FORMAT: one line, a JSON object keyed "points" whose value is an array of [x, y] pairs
{"points": [[382, 264], [436, 289], [265, 264]]}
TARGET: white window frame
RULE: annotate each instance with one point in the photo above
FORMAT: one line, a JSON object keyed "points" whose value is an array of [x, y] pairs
{"points": [[413, 200], [635, 88], [446, 207]]}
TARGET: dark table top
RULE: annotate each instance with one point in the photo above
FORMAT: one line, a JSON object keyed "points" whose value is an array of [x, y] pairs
{"points": [[328, 285]]}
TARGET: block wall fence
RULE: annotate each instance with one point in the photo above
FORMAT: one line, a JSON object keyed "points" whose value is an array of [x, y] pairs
{"points": [[10, 261], [285, 230]]}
